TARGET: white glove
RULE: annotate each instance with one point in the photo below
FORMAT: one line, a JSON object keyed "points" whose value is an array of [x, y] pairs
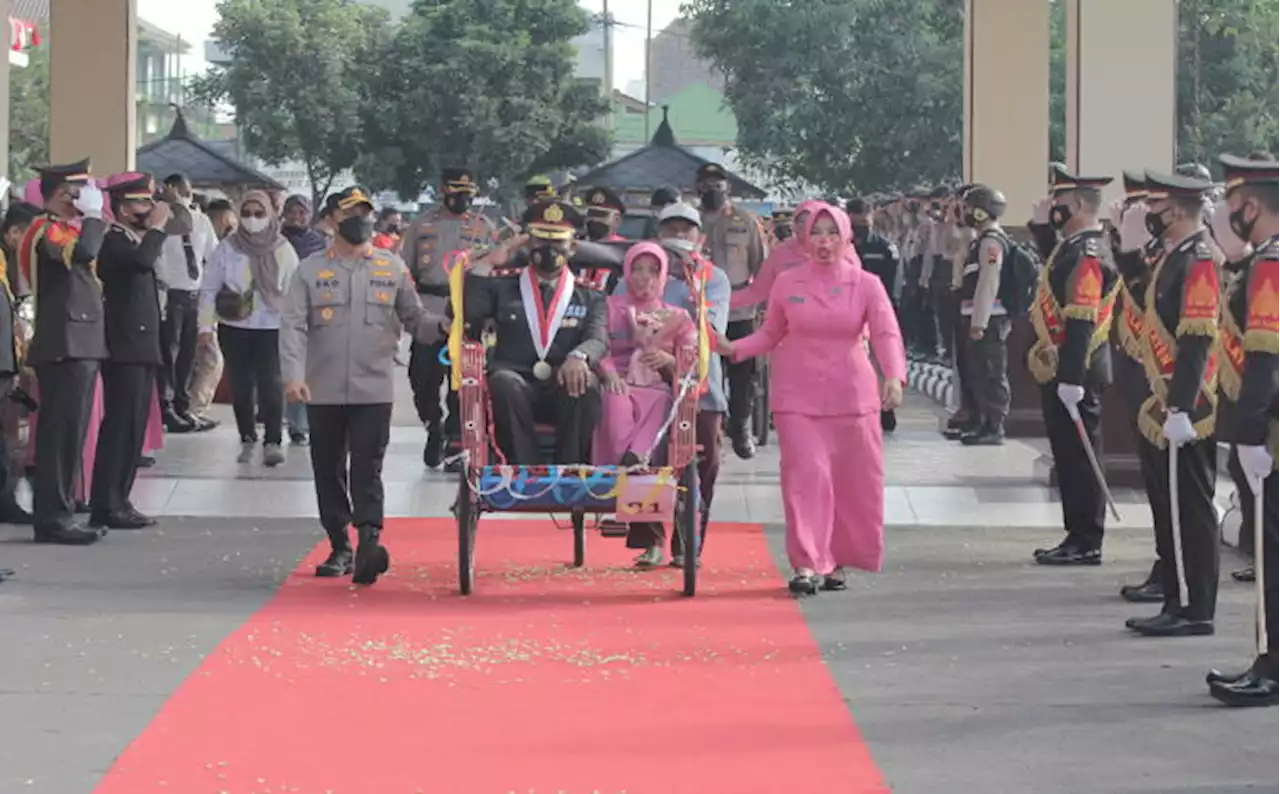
{"points": [[1115, 211], [1232, 246], [89, 202], [1133, 228], [1071, 395], [1178, 429], [1256, 463], [1040, 210]]}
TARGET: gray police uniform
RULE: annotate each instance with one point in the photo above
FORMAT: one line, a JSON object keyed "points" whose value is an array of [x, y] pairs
{"points": [[340, 328]]}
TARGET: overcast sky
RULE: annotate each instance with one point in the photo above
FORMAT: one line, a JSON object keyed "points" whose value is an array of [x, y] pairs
{"points": [[193, 20]]}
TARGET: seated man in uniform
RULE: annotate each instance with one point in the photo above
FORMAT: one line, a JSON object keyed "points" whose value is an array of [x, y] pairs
{"points": [[550, 335]]}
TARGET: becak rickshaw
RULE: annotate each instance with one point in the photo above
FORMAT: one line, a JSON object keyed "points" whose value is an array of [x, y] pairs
{"points": [[659, 488]]}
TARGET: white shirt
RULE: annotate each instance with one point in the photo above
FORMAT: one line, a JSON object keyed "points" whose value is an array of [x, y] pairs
{"points": [[228, 266], [172, 268]]}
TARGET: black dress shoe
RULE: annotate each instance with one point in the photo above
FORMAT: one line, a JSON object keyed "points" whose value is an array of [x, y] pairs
{"points": [[1146, 593], [297, 438], [1246, 574], [744, 446], [68, 536], [338, 563], [1134, 622], [1070, 555], [433, 452], [198, 423], [1252, 689], [121, 519], [955, 430], [1168, 625], [82, 507], [372, 558], [983, 438], [1219, 677], [146, 461], [176, 424]]}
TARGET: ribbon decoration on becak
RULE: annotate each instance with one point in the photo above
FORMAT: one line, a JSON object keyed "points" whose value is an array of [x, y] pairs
{"points": [[455, 265]]}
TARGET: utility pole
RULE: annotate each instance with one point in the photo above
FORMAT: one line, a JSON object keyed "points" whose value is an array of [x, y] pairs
{"points": [[606, 25], [648, 68]]}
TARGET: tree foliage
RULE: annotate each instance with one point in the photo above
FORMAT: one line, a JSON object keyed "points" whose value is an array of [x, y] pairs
{"points": [[484, 84], [297, 79], [29, 117]]}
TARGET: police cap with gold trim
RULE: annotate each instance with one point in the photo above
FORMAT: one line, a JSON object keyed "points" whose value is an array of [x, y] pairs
{"points": [[1135, 184], [551, 219], [712, 171], [51, 176], [353, 196], [131, 186], [784, 215], [1063, 180], [603, 201], [539, 187], [1239, 171], [458, 180], [1166, 186]]}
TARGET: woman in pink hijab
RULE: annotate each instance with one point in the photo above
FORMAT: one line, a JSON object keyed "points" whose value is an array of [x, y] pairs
{"points": [[782, 258], [644, 333], [827, 402]]}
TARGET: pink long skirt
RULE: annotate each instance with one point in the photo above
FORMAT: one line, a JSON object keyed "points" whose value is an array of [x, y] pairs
{"points": [[832, 490], [84, 483], [153, 440], [629, 422]]}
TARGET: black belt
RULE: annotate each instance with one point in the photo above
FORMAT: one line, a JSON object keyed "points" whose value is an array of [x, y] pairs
{"points": [[437, 290]]}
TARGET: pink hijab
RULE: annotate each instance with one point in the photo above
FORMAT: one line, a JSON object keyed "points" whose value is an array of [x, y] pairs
{"points": [[653, 297], [846, 262]]}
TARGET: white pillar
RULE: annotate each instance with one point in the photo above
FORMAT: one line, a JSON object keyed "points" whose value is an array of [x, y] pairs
{"points": [[1122, 88], [1006, 101], [92, 83]]}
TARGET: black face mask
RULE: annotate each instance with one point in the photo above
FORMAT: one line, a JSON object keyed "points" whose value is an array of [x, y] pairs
{"points": [[547, 260], [457, 203], [597, 230], [139, 220], [1156, 223], [712, 199], [969, 219], [861, 232], [783, 232], [1242, 228], [1059, 216], [357, 229]]}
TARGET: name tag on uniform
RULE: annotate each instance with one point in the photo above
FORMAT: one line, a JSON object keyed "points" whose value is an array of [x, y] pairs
{"points": [[570, 322], [579, 311], [794, 299], [737, 230]]}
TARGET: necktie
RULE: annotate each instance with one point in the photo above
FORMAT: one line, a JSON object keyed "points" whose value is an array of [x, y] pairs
{"points": [[190, 253]]}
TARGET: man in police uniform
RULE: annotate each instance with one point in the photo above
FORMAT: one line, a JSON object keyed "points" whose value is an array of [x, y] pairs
{"points": [[1248, 376], [987, 324], [604, 215], [879, 256], [340, 326], [551, 332], [1180, 329], [935, 272], [131, 250], [59, 262], [735, 240], [452, 226], [1071, 360], [783, 226]]}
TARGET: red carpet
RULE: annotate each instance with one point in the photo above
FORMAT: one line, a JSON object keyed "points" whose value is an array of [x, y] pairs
{"points": [[547, 681]]}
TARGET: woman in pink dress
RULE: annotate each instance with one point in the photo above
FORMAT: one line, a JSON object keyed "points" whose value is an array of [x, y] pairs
{"points": [[827, 402], [636, 398]]}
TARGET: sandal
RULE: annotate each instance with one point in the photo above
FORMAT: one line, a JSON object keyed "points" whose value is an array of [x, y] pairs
{"points": [[835, 581], [803, 584]]}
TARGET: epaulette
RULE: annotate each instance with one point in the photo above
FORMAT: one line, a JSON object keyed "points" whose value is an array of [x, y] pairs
{"points": [[1091, 247], [1202, 249], [1270, 249]]}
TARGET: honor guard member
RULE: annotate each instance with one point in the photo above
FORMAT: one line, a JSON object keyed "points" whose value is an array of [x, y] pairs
{"points": [[879, 256], [1128, 372], [452, 226], [604, 211], [12, 347], [735, 241], [782, 226], [59, 262], [987, 323], [1071, 360], [551, 333], [340, 326], [127, 263], [1251, 310], [1180, 328]]}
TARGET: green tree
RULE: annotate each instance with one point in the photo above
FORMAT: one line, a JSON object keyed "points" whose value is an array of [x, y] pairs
{"points": [[298, 79], [484, 84], [29, 117]]}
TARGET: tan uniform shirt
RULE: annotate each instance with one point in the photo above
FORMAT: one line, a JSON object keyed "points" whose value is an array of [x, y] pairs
{"points": [[431, 238], [736, 241]]}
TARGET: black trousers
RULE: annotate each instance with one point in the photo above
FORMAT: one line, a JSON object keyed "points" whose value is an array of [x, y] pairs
{"points": [[426, 377], [252, 358], [1270, 528], [987, 360], [968, 400], [348, 444], [1131, 379], [66, 404], [1245, 498], [126, 403], [520, 402], [178, 331], [742, 380], [1084, 507], [1197, 472], [945, 309], [707, 436]]}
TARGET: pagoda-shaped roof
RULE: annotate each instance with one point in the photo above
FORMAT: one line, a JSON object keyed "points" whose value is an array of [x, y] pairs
{"points": [[664, 162], [181, 152]]}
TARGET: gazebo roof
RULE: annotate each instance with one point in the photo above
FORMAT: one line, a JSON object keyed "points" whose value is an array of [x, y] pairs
{"points": [[663, 162], [181, 152]]}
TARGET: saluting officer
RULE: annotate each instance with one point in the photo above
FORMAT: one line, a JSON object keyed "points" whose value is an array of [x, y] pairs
{"points": [[59, 263], [735, 241], [1180, 329], [132, 247], [340, 327], [1251, 309], [1071, 359], [452, 226], [551, 332]]}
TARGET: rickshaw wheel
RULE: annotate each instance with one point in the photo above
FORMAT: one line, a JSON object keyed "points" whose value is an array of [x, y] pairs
{"points": [[468, 515], [579, 537], [687, 524]]}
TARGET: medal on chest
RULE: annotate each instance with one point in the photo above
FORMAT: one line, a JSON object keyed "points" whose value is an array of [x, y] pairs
{"points": [[544, 318]]}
